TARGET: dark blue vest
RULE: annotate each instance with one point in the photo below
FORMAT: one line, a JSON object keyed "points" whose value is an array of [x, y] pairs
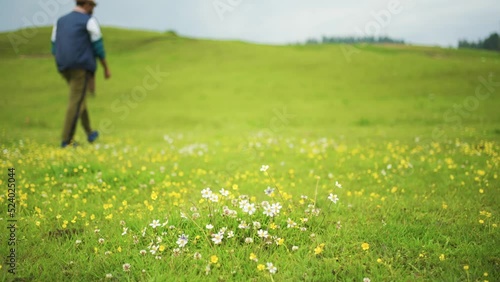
{"points": [[73, 46]]}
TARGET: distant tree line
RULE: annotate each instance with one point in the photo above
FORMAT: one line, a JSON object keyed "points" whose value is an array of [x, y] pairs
{"points": [[354, 40], [490, 43]]}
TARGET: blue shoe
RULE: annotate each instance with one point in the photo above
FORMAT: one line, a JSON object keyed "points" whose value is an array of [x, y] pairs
{"points": [[93, 136], [65, 144]]}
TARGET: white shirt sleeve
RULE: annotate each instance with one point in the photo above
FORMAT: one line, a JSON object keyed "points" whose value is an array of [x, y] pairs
{"points": [[94, 29], [54, 31]]}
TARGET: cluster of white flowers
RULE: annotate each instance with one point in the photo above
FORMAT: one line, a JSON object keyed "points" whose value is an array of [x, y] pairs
{"points": [[226, 211], [271, 210], [248, 205], [243, 225], [153, 248], [194, 149], [214, 198], [312, 210], [264, 168], [262, 234], [206, 193], [272, 269], [211, 196], [224, 192]]}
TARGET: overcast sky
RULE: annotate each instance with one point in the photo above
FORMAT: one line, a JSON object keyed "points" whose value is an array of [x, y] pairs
{"points": [[428, 22]]}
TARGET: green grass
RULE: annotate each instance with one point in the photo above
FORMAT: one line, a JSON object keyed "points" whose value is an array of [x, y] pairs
{"points": [[401, 128]]}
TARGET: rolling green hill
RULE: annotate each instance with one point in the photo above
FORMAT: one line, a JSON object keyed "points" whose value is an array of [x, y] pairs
{"points": [[218, 87]]}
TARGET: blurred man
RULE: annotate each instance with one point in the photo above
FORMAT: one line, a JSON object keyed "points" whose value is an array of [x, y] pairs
{"points": [[76, 43]]}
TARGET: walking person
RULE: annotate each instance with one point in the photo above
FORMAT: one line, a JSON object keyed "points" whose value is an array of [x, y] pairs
{"points": [[76, 43]]}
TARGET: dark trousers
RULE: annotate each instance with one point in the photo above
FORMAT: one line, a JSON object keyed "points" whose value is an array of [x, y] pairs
{"points": [[77, 108]]}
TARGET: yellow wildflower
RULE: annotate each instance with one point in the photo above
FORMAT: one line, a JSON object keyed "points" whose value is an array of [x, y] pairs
{"points": [[319, 249], [253, 257], [280, 241], [365, 246]]}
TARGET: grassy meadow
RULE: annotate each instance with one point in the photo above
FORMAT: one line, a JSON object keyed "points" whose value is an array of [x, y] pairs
{"points": [[230, 161]]}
